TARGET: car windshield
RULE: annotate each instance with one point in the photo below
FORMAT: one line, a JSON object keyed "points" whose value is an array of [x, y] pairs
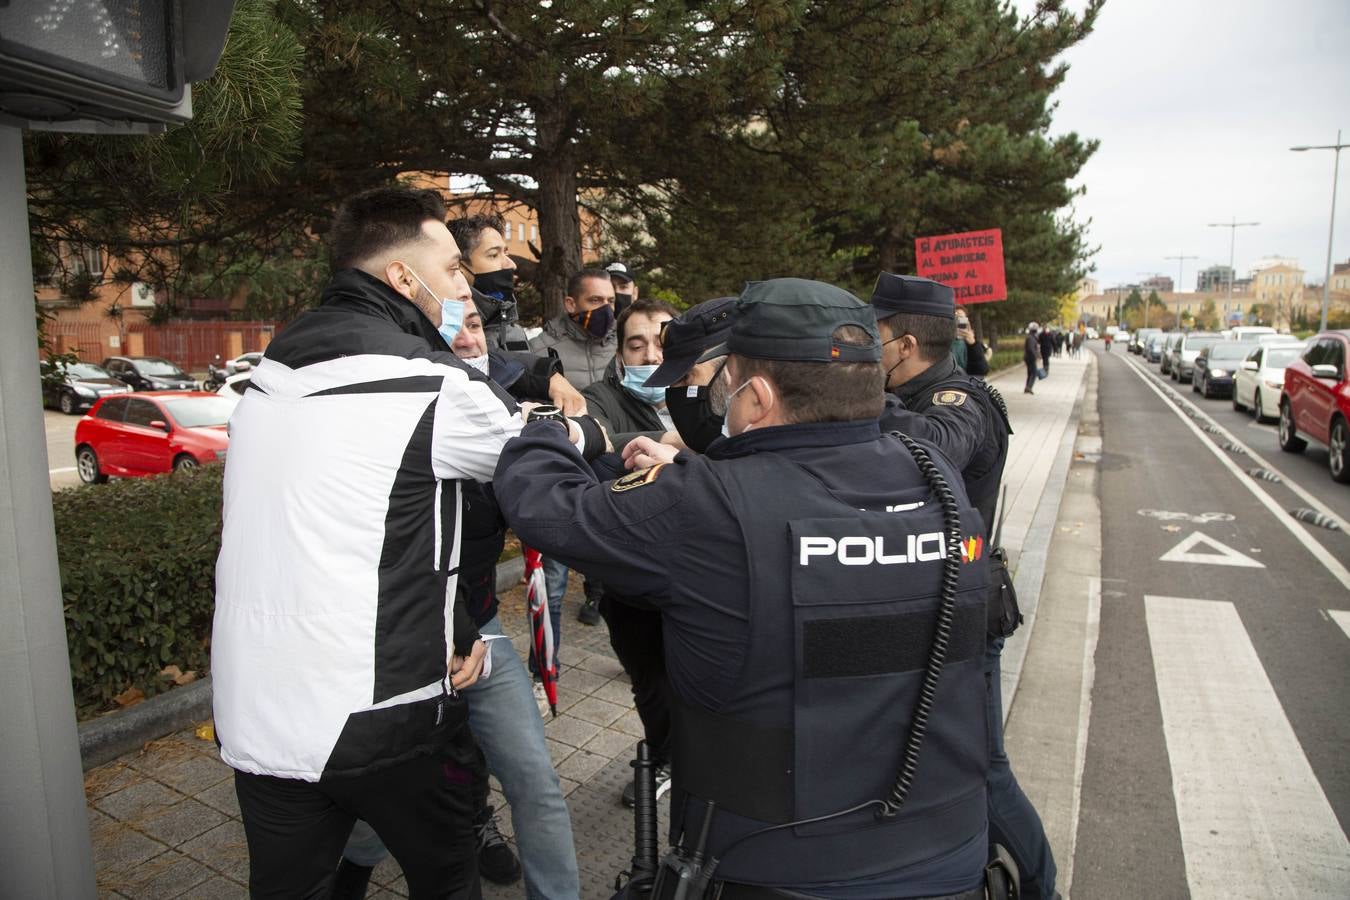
{"points": [[1229, 351], [199, 412], [1201, 343], [159, 367], [87, 370], [1279, 359]]}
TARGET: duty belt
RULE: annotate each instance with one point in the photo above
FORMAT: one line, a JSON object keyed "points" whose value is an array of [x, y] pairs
{"points": [[729, 891]]}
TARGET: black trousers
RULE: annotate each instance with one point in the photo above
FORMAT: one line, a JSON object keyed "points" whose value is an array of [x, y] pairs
{"points": [[635, 635], [421, 809], [1031, 374]]}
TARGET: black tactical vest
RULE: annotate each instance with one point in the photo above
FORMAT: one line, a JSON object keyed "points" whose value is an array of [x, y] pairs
{"points": [[842, 612]]}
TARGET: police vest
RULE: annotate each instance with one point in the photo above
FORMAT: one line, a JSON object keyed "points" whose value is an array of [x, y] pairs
{"points": [[984, 472], [842, 610]]}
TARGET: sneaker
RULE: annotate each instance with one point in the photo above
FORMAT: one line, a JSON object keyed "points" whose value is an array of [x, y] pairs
{"points": [[662, 786], [589, 614], [496, 860], [541, 698]]}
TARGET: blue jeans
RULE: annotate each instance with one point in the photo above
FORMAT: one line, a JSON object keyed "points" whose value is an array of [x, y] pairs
{"points": [[1013, 821], [505, 719], [555, 581]]}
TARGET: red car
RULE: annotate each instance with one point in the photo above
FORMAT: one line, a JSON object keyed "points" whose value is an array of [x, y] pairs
{"points": [[150, 433], [1315, 403]]}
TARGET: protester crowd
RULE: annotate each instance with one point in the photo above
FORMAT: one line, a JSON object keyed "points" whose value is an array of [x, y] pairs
{"points": [[782, 505]]}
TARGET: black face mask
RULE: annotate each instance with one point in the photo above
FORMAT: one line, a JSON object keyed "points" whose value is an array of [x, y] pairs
{"points": [[499, 285], [694, 419], [622, 302]]}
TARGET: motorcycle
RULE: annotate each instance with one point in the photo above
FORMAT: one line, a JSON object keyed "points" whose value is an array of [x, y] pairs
{"points": [[216, 374]]}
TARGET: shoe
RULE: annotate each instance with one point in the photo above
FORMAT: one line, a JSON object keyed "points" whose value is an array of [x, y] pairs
{"points": [[662, 786], [589, 614], [350, 881], [496, 860]]}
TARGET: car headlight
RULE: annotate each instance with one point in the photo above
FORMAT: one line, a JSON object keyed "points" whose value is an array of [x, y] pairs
{"points": [[1218, 373], [1275, 385], [84, 391]]}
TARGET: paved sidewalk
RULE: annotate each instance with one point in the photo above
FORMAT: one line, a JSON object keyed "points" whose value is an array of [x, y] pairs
{"points": [[165, 822]]}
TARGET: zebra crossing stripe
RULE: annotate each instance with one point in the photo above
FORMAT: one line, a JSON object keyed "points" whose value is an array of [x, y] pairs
{"points": [[1342, 618], [1253, 817]]}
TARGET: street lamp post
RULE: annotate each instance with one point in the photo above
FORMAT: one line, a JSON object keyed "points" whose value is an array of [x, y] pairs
{"points": [[1181, 270], [1331, 230], [1233, 226]]}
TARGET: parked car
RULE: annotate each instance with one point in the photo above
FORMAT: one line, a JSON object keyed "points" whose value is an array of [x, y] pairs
{"points": [[1153, 348], [1188, 346], [1215, 365], [149, 373], [1165, 363], [150, 433], [243, 362], [1315, 402], [77, 386], [1140, 338], [1260, 378], [234, 387]]}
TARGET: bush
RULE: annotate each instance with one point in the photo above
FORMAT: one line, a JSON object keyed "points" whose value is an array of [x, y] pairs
{"points": [[138, 559]]}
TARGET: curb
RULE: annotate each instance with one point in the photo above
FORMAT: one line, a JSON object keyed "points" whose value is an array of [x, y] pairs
{"points": [[104, 739], [1029, 574]]}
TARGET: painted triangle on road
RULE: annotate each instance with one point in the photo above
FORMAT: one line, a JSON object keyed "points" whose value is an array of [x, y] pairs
{"points": [[1218, 555]]}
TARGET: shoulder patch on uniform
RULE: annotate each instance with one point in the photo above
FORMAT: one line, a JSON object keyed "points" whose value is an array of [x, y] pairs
{"points": [[636, 479], [949, 398]]}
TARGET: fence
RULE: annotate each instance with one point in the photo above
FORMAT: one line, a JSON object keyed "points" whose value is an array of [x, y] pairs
{"points": [[193, 345]]}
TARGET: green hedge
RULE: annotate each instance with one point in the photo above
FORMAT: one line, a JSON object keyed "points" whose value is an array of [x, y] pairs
{"points": [[138, 560]]}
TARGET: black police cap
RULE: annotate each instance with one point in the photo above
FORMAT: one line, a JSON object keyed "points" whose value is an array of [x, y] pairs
{"points": [[795, 320], [912, 295], [684, 339]]}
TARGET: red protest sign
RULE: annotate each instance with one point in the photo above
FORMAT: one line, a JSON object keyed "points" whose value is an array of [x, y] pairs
{"points": [[971, 263]]}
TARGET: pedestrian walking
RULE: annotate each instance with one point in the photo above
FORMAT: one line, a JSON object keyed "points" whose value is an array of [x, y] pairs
{"points": [[1031, 356]]}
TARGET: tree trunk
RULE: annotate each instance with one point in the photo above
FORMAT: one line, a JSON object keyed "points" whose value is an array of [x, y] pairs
{"points": [[559, 219]]}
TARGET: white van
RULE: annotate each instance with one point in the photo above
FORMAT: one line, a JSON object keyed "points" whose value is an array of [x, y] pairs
{"points": [[1248, 332]]}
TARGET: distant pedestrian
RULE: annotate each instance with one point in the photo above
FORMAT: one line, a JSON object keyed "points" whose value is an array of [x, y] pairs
{"points": [[1031, 355], [1077, 343], [1060, 338], [1047, 348]]}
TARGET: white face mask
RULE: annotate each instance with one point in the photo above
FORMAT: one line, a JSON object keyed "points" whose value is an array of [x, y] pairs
{"points": [[478, 362], [726, 420]]}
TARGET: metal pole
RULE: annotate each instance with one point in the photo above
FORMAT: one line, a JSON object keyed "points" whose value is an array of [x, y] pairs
{"points": [[1331, 232], [1232, 243], [44, 825], [1181, 271]]}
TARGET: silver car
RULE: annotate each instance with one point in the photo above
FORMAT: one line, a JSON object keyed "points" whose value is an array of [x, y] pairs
{"points": [[1181, 365]]}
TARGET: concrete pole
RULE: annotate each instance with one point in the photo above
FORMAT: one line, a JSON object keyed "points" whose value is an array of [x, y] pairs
{"points": [[1331, 232], [44, 826]]}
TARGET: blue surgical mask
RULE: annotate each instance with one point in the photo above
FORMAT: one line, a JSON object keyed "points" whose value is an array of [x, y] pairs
{"points": [[452, 312], [634, 376]]}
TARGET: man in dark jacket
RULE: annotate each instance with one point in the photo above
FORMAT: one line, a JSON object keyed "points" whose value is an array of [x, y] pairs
{"points": [[1047, 341], [1031, 356]]}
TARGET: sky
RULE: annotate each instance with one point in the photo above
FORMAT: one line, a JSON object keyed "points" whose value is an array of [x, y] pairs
{"points": [[1196, 104]]}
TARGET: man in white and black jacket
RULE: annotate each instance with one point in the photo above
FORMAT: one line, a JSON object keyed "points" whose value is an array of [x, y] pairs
{"points": [[339, 646]]}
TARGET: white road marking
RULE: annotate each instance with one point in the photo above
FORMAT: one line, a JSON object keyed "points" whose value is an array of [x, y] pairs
{"points": [[1319, 552], [61, 471], [1342, 618], [1168, 515], [1092, 628], [1254, 819], [1222, 555]]}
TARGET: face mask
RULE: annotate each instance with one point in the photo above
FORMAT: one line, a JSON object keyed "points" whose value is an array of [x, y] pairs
{"points": [[690, 409], [726, 422], [622, 302], [478, 362], [452, 312], [497, 285], [634, 376], [598, 322]]}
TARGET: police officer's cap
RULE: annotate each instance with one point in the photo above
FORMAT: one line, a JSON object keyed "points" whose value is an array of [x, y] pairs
{"points": [[913, 296], [795, 320], [684, 339]]}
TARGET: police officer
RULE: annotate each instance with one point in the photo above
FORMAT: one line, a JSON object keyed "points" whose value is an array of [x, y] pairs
{"points": [[802, 566], [931, 398]]}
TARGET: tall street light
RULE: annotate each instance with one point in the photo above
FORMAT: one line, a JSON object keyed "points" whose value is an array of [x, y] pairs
{"points": [[1331, 231], [1181, 270], [1232, 241]]}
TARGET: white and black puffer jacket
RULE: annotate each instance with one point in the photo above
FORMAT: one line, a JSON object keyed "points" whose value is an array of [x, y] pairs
{"points": [[336, 582]]}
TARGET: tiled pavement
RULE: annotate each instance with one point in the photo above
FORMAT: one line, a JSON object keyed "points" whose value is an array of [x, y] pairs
{"points": [[165, 822]]}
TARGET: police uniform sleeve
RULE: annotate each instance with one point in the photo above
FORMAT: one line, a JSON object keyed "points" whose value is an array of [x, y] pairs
{"points": [[539, 368], [957, 427], [620, 532]]}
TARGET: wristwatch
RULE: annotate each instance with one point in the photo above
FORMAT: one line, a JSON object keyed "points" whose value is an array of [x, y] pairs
{"points": [[546, 413]]}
